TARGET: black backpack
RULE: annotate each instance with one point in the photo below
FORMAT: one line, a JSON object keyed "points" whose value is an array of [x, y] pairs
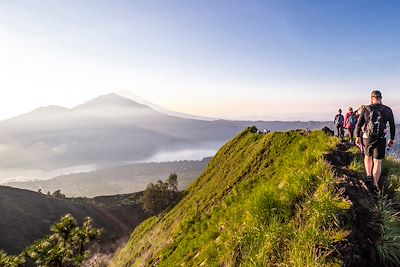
{"points": [[375, 127]]}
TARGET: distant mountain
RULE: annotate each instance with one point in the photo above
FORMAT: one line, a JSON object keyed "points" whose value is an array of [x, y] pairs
{"points": [[136, 98], [27, 216], [117, 180], [106, 131]]}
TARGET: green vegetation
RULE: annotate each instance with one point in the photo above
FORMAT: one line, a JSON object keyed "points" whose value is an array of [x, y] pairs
{"points": [[263, 200], [11, 261], [161, 195], [66, 246], [27, 216], [387, 209], [388, 246]]}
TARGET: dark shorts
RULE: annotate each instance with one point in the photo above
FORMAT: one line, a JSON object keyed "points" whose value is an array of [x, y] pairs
{"points": [[375, 148]]}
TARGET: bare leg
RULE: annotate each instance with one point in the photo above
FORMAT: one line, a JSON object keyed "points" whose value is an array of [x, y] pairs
{"points": [[369, 163], [377, 170], [351, 134]]}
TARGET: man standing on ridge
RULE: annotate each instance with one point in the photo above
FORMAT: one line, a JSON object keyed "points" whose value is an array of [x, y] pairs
{"points": [[339, 122], [373, 120]]}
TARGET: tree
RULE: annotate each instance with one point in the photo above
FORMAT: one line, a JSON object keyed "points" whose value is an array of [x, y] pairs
{"points": [[159, 196], [11, 261], [58, 194], [173, 182], [66, 246]]}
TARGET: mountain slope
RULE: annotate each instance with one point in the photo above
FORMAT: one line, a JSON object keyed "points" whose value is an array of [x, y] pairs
{"points": [[27, 216], [263, 200]]}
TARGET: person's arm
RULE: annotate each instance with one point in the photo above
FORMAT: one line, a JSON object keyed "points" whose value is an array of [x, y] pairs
{"points": [[392, 126], [360, 124]]}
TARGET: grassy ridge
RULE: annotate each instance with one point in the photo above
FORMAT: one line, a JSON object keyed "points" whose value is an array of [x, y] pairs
{"points": [[263, 200]]}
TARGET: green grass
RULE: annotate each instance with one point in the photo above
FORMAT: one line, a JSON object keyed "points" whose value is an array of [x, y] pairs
{"points": [[263, 200], [388, 246]]}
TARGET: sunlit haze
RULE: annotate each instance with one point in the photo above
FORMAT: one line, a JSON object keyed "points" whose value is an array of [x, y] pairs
{"points": [[267, 60]]}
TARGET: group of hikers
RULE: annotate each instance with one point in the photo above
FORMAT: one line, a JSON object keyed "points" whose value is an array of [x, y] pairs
{"points": [[368, 125]]}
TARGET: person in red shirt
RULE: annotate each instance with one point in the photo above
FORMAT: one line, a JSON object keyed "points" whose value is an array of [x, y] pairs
{"points": [[350, 122]]}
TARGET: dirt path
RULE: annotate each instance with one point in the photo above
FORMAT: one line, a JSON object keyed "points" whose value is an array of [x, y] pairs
{"points": [[359, 250]]}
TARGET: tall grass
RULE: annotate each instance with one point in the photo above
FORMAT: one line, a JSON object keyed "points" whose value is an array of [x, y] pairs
{"points": [[388, 247]]}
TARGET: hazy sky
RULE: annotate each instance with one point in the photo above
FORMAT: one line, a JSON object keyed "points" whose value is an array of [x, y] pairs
{"points": [[233, 59]]}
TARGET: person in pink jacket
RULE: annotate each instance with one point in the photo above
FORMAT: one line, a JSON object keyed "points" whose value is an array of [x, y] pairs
{"points": [[350, 122]]}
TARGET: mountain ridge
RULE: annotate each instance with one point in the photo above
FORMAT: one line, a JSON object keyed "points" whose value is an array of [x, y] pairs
{"points": [[234, 197], [293, 198]]}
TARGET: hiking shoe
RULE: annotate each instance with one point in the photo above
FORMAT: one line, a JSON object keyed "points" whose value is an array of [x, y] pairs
{"points": [[368, 182]]}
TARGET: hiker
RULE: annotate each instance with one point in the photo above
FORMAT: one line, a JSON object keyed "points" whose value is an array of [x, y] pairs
{"points": [[358, 111], [360, 133], [373, 120], [350, 122], [339, 122]]}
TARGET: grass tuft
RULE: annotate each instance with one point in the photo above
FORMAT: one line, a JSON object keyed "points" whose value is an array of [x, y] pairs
{"points": [[388, 247]]}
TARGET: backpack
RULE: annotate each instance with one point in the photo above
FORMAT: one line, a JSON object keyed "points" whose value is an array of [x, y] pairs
{"points": [[352, 120], [375, 127], [339, 120]]}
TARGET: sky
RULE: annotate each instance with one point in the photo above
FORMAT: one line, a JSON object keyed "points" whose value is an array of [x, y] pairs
{"points": [[286, 60]]}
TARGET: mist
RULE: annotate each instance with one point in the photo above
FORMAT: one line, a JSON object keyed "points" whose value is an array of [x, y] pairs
{"points": [[185, 154], [22, 175], [19, 175]]}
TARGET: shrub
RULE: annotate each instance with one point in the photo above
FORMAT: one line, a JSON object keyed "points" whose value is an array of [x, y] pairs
{"points": [[66, 246], [161, 195]]}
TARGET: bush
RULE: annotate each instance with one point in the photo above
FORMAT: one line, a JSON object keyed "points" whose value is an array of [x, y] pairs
{"points": [[161, 195], [58, 194]]}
